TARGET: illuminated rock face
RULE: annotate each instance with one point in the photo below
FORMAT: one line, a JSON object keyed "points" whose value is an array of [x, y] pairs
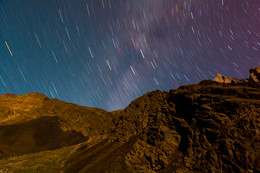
{"points": [[212, 126], [33, 122], [205, 127], [253, 79], [222, 79], [255, 75], [202, 127]]}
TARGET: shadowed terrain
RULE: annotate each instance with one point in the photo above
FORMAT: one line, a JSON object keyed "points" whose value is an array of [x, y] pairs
{"points": [[40, 134], [212, 126], [33, 122]]}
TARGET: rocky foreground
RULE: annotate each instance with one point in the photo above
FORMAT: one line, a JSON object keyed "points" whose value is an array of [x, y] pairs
{"points": [[212, 126]]}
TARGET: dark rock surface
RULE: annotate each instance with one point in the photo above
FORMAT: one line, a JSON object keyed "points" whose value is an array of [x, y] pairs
{"points": [[208, 127], [36, 135], [212, 126]]}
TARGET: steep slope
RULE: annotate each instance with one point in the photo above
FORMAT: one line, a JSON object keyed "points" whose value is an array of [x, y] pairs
{"points": [[205, 127], [33, 122]]}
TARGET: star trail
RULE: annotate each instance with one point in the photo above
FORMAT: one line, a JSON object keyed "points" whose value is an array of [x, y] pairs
{"points": [[106, 53]]}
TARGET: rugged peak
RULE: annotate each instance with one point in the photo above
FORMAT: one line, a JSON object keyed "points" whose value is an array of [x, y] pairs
{"points": [[254, 78], [222, 79], [254, 75], [212, 126], [205, 127]]}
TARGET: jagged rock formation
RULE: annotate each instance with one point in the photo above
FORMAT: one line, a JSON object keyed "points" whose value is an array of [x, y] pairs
{"points": [[212, 126], [203, 127], [255, 75], [223, 79]]}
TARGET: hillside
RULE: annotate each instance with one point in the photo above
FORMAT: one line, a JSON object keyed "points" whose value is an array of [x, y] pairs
{"points": [[212, 126], [33, 122]]}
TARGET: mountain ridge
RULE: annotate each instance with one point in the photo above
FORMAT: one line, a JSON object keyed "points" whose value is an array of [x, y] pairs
{"points": [[212, 126]]}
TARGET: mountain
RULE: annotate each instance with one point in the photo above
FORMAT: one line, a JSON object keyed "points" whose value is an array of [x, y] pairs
{"points": [[33, 122], [212, 126]]}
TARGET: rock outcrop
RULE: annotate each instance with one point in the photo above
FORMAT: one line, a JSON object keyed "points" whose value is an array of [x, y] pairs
{"points": [[255, 75], [212, 126], [206, 127], [223, 79], [253, 79]]}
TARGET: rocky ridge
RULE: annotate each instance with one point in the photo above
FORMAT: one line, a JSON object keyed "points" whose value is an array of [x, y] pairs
{"points": [[212, 126], [206, 127]]}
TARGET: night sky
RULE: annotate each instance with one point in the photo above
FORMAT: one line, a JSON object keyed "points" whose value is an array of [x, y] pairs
{"points": [[107, 53]]}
